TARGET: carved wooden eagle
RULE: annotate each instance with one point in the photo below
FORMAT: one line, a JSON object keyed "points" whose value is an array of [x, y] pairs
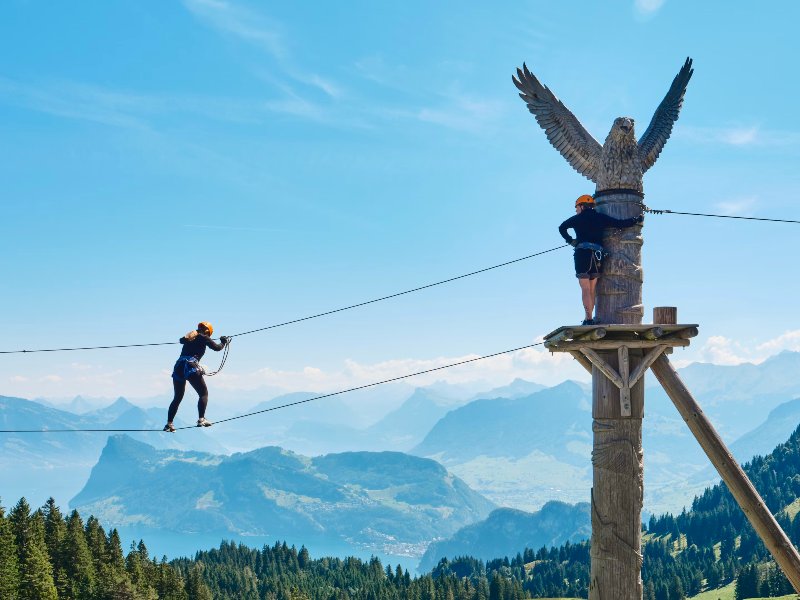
{"points": [[620, 162]]}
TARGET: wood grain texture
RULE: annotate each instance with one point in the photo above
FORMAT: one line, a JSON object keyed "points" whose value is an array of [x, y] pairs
{"points": [[762, 520]]}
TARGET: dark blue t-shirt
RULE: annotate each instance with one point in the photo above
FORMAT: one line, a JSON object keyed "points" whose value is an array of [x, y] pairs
{"points": [[197, 347], [589, 225]]}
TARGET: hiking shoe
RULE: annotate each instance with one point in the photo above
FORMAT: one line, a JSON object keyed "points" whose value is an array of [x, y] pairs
{"points": [[169, 427], [203, 422], [588, 322]]}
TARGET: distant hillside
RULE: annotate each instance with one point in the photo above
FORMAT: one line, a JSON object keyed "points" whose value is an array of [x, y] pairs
{"points": [[738, 397], [525, 451], [387, 503], [507, 531], [400, 429], [43, 465], [516, 389], [706, 547], [504, 426], [779, 425]]}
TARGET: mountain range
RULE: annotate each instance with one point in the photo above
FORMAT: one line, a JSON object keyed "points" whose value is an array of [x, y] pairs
{"points": [[37, 465], [387, 503], [507, 531], [519, 446]]}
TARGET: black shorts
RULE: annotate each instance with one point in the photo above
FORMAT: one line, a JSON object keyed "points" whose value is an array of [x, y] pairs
{"points": [[587, 266]]}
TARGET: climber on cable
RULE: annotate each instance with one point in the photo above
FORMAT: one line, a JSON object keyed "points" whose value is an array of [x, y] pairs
{"points": [[188, 368], [589, 225]]}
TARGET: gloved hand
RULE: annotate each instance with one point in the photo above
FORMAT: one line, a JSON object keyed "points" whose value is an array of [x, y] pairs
{"points": [[573, 243], [224, 339], [191, 335]]}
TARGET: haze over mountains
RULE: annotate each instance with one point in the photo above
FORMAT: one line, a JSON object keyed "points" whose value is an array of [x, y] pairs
{"points": [[38, 466], [520, 446], [507, 531], [387, 503]]}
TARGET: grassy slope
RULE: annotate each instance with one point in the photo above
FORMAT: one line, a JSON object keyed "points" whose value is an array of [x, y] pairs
{"points": [[726, 593]]}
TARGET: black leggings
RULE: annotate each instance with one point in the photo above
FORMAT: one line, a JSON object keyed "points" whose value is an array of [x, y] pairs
{"points": [[199, 385]]}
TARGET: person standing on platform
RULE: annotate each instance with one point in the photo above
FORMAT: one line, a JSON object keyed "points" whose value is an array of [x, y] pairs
{"points": [[588, 225]]}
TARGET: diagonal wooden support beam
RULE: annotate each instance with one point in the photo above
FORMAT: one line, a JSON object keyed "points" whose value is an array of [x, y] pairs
{"points": [[604, 367], [740, 486], [584, 362], [648, 360]]}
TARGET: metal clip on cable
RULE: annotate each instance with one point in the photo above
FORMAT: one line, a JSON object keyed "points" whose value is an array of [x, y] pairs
{"points": [[653, 211]]}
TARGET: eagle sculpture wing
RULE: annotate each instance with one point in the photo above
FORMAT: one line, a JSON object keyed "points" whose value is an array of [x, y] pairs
{"points": [[666, 114], [562, 128]]}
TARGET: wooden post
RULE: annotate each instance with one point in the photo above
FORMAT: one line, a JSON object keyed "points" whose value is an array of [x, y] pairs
{"points": [[665, 315], [741, 488], [617, 412]]}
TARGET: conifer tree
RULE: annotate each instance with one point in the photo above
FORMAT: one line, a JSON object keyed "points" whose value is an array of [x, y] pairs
{"points": [[96, 542], [649, 588], [303, 558], [195, 586], [676, 591], [496, 588], [170, 584], [35, 571], [9, 564], [54, 530], [77, 560], [111, 578], [747, 582]]}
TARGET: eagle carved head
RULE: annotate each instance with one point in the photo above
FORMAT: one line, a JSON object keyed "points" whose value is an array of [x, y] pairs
{"points": [[622, 130]]}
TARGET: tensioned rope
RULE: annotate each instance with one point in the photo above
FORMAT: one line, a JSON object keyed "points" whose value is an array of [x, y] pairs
{"points": [[677, 212], [293, 321], [280, 406]]}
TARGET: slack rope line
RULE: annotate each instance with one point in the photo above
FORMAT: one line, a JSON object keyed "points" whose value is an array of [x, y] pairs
{"points": [[676, 212], [280, 406], [293, 321]]}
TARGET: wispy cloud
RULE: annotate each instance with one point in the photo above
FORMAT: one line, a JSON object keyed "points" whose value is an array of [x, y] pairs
{"points": [[377, 70], [329, 87], [459, 111], [737, 206], [240, 22], [77, 101], [722, 350], [266, 34], [740, 136], [531, 364], [129, 110], [789, 340], [647, 8], [237, 228]]}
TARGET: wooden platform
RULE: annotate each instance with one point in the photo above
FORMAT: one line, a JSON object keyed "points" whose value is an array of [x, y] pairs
{"points": [[604, 337]]}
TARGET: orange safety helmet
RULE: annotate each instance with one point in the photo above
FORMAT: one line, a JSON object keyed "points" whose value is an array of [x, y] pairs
{"points": [[585, 199], [206, 325]]}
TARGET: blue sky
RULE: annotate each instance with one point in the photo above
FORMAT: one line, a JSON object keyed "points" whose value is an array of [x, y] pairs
{"points": [[247, 163]]}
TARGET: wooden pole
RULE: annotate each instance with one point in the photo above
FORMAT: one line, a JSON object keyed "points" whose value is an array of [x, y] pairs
{"points": [[617, 466], [741, 488]]}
